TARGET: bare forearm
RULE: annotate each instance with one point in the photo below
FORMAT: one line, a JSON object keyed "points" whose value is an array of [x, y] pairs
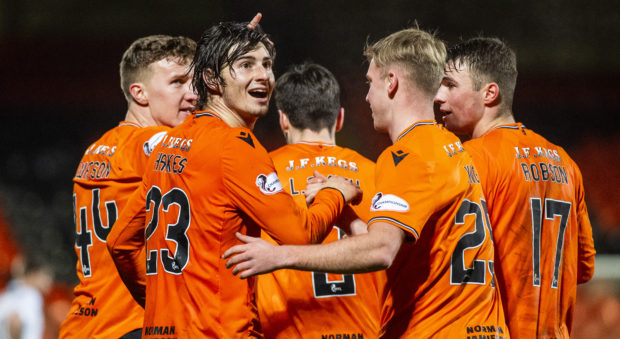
{"points": [[368, 252], [356, 254]]}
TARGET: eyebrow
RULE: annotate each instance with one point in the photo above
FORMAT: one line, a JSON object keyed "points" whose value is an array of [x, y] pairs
{"points": [[176, 75], [249, 57], [446, 77]]}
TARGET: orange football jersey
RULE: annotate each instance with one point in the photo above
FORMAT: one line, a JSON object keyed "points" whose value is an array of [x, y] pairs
{"points": [[543, 238], [109, 172], [299, 304], [206, 181], [441, 282]]}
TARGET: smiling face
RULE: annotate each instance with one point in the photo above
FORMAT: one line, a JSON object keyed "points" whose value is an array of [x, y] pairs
{"points": [[460, 104], [170, 96], [248, 84]]}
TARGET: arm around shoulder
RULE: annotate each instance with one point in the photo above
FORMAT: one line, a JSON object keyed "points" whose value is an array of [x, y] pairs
{"points": [[368, 252], [372, 251]]}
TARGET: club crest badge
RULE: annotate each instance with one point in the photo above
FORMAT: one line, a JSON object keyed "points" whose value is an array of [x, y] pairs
{"points": [[149, 146], [388, 202], [269, 184]]}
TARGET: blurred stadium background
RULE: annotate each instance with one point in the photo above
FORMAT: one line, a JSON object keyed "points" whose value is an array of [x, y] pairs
{"points": [[59, 91]]}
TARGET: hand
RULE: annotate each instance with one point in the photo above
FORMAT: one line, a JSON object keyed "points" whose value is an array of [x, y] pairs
{"points": [[351, 192], [256, 256], [313, 186], [255, 21]]}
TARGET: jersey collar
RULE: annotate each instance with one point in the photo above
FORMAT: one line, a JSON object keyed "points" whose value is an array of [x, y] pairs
{"points": [[206, 114], [129, 123], [416, 124], [513, 126], [315, 143]]}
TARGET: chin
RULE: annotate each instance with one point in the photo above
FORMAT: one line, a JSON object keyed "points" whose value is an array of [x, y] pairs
{"points": [[380, 128], [261, 112], [450, 125]]}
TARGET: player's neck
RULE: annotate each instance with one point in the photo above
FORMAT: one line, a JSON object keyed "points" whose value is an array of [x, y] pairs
{"points": [[407, 116], [229, 116], [325, 136], [491, 121], [139, 115]]}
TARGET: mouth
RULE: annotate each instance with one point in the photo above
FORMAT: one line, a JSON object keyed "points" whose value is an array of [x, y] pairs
{"points": [[259, 93], [187, 110]]}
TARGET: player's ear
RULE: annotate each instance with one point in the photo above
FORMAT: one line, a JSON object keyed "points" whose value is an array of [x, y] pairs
{"points": [[340, 119], [208, 76], [392, 83], [138, 93], [284, 123], [491, 94]]}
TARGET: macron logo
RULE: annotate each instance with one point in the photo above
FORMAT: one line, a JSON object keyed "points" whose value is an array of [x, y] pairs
{"points": [[247, 138], [269, 184], [398, 157], [388, 202]]}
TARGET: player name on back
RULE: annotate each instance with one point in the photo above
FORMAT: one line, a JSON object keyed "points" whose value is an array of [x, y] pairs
{"points": [[321, 161], [100, 149], [548, 169], [172, 162], [91, 170]]}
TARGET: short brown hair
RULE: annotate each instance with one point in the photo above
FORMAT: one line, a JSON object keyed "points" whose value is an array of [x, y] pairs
{"points": [[419, 52], [488, 60], [309, 95], [150, 49]]}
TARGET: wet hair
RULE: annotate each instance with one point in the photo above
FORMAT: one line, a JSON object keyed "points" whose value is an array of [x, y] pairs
{"points": [[309, 95], [219, 47], [420, 54], [487, 60], [145, 51]]}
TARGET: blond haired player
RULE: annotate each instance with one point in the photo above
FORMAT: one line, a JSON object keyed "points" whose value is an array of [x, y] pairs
{"points": [[155, 82], [542, 233], [207, 179], [428, 224], [296, 304]]}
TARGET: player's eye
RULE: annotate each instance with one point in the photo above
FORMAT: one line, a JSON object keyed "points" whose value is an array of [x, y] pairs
{"points": [[448, 84]]}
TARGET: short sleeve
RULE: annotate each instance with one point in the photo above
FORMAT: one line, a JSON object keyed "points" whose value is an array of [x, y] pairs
{"points": [[405, 192]]}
